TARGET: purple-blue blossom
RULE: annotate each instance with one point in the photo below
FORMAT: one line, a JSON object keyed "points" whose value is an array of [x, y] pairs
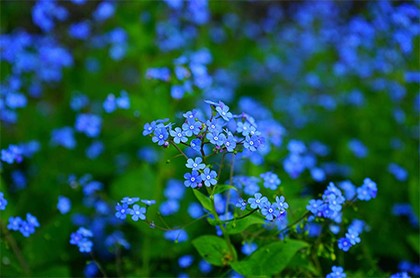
{"points": [[337, 272], [192, 179], [209, 177], [63, 204], [88, 124], [137, 212], [258, 201], [195, 164], [3, 201]]}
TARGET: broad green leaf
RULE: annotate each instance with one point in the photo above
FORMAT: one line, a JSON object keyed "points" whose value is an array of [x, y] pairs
{"points": [[204, 200], [223, 187], [414, 242], [213, 249], [269, 259], [237, 226], [301, 262]]}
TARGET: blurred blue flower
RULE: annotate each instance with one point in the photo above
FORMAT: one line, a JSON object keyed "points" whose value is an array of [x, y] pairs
{"points": [[64, 204]]}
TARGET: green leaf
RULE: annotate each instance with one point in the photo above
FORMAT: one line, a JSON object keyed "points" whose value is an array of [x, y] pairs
{"points": [[269, 259], [223, 187], [213, 249], [204, 200], [414, 242], [237, 226]]}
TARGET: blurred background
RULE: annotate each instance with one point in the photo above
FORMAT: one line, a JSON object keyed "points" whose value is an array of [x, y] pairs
{"points": [[79, 79]]}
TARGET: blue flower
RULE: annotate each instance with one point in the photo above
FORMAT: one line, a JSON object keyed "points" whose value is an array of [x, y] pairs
{"points": [[192, 179], [3, 201], [169, 207], [14, 223], [268, 210], [353, 236], [204, 266], [196, 144], [81, 239], [63, 137], [241, 204], [367, 191], [94, 150], [400, 275], [251, 143], [258, 202], [178, 135], [195, 164], [248, 248], [215, 125], [315, 206], [191, 127], [148, 202], [44, 13], [163, 74], [149, 128], [176, 235], [130, 200], [123, 101], [64, 204], [185, 261], [80, 30], [160, 136], [104, 11], [344, 244], [110, 104], [216, 138], [122, 210], [358, 148], [243, 128], [230, 142], [137, 212], [195, 210], [174, 189], [271, 180], [88, 124], [223, 111], [281, 204], [12, 154], [209, 177], [26, 229], [337, 272], [177, 91]]}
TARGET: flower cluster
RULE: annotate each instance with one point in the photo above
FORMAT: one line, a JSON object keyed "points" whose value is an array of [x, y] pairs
{"points": [[337, 272], [189, 70], [137, 212], [25, 227], [270, 211], [332, 201], [329, 206], [225, 131], [111, 102], [81, 238], [352, 238]]}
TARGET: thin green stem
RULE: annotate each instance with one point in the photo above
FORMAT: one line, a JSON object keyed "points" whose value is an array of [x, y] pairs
{"points": [[178, 149], [16, 250]]}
